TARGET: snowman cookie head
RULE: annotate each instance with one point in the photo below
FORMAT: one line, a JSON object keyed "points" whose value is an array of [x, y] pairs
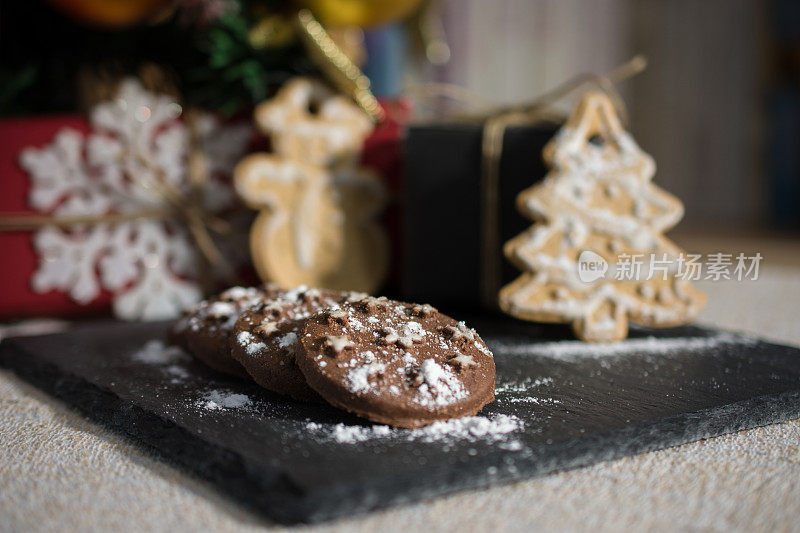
{"points": [[308, 122]]}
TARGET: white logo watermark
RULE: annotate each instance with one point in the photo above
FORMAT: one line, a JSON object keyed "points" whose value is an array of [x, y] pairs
{"points": [[591, 266], [689, 267]]}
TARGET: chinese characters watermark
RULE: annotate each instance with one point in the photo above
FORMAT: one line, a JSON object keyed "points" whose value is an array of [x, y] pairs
{"points": [[689, 267]]}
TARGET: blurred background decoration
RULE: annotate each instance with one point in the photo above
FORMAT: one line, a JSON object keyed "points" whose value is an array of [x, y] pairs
{"points": [[718, 107]]}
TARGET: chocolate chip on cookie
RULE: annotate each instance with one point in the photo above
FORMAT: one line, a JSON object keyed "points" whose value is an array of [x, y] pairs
{"points": [[204, 330], [265, 339], [405, 365]]}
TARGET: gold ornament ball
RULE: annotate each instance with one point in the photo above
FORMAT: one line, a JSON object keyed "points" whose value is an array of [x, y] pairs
{"points": [[362, 13]]}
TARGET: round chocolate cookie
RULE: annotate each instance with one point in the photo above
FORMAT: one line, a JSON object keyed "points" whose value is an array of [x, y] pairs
{"points": [[205, 329], [406, 365], [264, 339]]}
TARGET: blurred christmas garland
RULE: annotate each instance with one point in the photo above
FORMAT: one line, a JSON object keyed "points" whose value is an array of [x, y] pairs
{"points": [[225, 55]]}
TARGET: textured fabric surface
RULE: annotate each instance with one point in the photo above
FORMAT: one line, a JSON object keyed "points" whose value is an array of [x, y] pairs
{"points": [[59, 471]]}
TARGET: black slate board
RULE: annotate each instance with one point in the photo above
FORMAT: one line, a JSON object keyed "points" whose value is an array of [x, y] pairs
{"points": [[579, 404]]}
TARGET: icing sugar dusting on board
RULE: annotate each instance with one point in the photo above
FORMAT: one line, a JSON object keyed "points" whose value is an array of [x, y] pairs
{"points": [[489, 429], [647, 345], [217, 400], [155, 352], [177, 373], [523, 386], [525, 391]]}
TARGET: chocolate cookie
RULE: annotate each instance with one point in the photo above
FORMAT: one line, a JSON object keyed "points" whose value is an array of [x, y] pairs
{"points": [[264, 339], [406, 365], [204, 330]]}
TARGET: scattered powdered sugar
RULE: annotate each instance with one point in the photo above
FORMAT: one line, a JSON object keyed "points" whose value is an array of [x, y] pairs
{"points": [[294, 294], [246, 295], [649, 345], [352, 434], [524, 392], [217, 400], [489, 429], [168, 358], [155, 352], [512, 446], [222, 309], [523, 386], [470, 428], [177, 373], [413, 329], [532, 399]]}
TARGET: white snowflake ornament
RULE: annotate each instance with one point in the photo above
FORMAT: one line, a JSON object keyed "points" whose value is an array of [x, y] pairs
{"points": [[137, 149]]}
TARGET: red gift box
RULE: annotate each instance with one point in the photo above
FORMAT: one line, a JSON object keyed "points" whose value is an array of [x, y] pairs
{"points": [[17, 298]]}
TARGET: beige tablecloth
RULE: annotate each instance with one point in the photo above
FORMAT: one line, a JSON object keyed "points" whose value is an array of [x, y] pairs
{"points": [[58, 471]]}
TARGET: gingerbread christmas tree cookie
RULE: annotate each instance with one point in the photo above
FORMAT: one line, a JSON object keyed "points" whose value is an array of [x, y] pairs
{"points": [[597, 257]]}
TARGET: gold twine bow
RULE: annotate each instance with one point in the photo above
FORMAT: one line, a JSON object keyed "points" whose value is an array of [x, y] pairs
{"points": [[189, 209]]}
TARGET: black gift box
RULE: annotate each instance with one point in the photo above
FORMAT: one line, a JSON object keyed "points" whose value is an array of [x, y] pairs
{"points": [[444, 210]]}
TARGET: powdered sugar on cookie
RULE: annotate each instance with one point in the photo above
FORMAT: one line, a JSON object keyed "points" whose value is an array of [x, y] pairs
{"points": [[440, 386], [266, 338]]}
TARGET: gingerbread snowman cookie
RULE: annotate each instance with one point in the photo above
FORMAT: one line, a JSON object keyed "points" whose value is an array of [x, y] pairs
{"points": [[313, 228], [317, 224]]}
